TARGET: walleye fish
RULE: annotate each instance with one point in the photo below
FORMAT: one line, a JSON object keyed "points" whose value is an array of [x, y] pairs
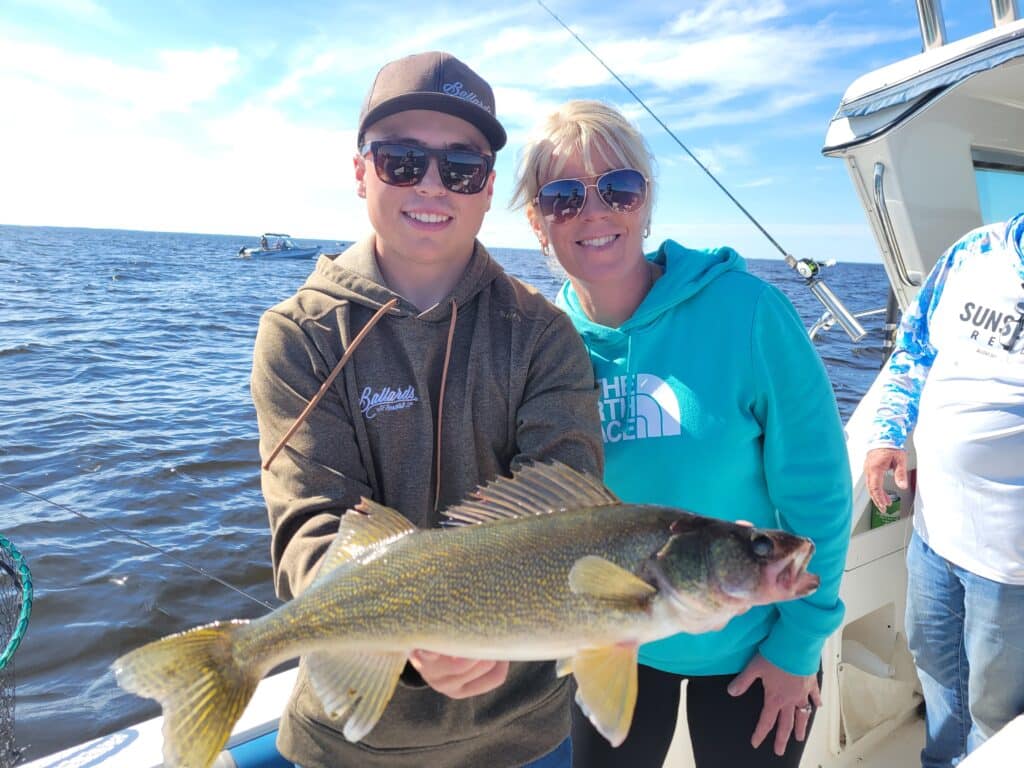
{"points": [[549, 565]]}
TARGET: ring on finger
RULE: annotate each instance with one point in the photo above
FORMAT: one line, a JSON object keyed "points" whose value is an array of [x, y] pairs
{"points": [[805, 709]]}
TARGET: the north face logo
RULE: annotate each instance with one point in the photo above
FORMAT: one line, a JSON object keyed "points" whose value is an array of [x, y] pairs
{"points": [[637, 407]]}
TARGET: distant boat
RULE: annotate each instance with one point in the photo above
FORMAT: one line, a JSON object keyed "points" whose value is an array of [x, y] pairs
{"points": [[279, 246]]}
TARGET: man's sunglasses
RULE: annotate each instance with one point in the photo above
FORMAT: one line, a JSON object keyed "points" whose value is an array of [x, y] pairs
{"points": [[623, 191], [404, 165]]}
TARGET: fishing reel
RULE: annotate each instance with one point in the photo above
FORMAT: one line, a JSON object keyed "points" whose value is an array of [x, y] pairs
{"points": [[809, 268], [835, 310]]}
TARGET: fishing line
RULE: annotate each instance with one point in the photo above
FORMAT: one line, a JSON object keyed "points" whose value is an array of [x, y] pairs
{"points": [[790, 260], [197, 569]]}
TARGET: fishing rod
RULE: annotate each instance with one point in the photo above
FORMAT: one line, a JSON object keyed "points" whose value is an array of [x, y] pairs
{"points": [[808, 269], [104, 526]]}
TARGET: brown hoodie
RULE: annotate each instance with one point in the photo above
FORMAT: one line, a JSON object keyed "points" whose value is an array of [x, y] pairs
{"points": [[519, 386]]}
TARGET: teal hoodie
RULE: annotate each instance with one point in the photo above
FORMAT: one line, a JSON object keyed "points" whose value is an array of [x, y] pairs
{"points": [[714, 400]]}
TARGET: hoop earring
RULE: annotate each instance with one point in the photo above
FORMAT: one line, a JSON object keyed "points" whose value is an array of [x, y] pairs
{"points": [[545, 248], [647, 231]]}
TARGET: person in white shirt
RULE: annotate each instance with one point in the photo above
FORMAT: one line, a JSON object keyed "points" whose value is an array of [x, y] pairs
{"points": [[956, 379]]}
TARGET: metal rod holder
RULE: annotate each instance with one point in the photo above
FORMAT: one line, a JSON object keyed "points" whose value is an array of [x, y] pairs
{"points": [[842, 315]]}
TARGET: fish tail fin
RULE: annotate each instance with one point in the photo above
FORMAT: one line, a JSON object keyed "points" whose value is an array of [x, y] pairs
{"points": [[201, 686]]}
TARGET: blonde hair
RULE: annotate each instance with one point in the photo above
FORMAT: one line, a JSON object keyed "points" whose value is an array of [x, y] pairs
{"points": [[590, 128]]}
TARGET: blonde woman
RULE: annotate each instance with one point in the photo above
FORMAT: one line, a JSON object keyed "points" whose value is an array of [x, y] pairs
{"points": [[712, 399]]}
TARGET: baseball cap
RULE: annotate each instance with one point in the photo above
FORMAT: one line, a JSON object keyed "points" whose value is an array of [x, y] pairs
{"points": [[436, 81]]}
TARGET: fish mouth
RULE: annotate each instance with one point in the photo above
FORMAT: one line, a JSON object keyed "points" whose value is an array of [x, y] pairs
{"points": [[792, 578]]}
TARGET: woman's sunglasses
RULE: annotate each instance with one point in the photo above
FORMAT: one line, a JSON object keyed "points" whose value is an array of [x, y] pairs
{"points": [[623, 191], [404, 165]]}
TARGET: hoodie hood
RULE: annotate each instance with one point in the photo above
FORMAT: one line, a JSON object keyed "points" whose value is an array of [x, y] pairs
{"points": [[686, 272], [354, 275]]}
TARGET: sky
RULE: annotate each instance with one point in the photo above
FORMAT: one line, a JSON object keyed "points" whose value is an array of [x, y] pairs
{"points": [[229, 117]]}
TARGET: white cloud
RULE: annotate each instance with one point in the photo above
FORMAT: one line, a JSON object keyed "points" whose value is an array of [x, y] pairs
{"points": [[765, 181], [717, 157], [727, 14], [92, 153], [176, 81]]}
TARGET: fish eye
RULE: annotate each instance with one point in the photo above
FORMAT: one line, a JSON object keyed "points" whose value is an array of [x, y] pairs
{"points": [[761, 545]]}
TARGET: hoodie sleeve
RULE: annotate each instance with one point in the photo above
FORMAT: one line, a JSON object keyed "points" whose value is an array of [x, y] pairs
{"points": [[318, 475], [558, 416], [807, 471]]}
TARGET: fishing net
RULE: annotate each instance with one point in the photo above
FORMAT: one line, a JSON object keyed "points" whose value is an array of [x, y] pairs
{"points": [[15, 607]]}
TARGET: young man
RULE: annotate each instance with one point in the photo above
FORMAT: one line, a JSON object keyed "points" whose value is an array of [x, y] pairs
{"points": [[468, 373]]}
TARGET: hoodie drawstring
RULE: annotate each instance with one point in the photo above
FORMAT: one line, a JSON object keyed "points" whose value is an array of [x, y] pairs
{"points": [[440, 399], [330, 380]]}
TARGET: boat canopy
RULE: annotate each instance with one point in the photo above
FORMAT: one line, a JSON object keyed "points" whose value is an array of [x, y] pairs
{"points": [[881, 100], [922, 138]]}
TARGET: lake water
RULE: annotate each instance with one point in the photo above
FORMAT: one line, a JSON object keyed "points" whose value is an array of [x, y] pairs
{"points": [[124, 395]]}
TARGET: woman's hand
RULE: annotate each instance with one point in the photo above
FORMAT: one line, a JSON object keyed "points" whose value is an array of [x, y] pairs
{"points": [[789, 701], [456, 677]]}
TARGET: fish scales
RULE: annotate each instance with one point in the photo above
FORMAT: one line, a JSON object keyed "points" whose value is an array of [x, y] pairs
{"points": [[507, 579]]}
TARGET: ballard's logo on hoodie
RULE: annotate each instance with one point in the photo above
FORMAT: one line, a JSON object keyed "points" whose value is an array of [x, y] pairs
{"points": [[372, 403]]}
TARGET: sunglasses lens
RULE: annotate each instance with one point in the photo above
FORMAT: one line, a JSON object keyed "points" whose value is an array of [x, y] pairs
{"points": [[624, 190], [405, 165], [562, 199], [399, 165], [464, 171]]}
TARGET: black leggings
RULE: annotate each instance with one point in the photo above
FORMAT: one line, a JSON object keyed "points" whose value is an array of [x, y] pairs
{"points": [[720, 727]]}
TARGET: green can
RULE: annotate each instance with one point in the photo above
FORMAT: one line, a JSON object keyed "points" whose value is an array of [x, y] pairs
{"points": [[890, 515]]}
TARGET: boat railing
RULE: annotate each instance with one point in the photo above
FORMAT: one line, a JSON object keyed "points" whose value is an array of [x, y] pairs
{"points": [[933, 27]]}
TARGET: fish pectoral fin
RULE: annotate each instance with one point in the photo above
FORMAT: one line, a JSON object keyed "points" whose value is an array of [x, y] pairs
{"points": [[364, 529], [606, 687], [596, 577], [355, 687]]}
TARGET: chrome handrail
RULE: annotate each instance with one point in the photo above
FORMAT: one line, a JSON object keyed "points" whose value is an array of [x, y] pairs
{"points": [[888, 232], [1004, 12], [933, 28]]}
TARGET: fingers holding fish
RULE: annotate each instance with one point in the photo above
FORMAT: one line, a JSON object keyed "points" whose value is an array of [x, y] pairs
{"points": [[457, 677]]}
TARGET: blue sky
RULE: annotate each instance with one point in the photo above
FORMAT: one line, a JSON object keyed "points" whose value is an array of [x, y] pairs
{"points": [[239, 117]]}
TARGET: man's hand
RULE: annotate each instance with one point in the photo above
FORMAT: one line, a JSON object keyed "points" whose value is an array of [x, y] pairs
{"points": [[456, 677], [789, 701], [876, 464]]}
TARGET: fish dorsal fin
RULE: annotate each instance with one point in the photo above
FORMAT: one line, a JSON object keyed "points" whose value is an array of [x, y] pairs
{"points": [[536, 489], [606, 687], [364, 532], [594, 576], [355, 687]]}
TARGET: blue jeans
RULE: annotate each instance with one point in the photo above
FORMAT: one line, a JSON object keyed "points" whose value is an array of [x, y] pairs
{"points": [[967, 637], [561, 757]]}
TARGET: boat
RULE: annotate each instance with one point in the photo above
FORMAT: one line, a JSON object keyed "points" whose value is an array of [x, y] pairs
{"points": [[921, 139], [279, 246]]}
